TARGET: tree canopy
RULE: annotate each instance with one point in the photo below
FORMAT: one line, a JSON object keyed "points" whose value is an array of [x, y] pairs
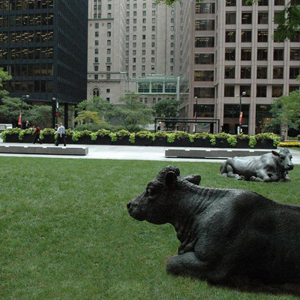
{"points": [[4, 76]]}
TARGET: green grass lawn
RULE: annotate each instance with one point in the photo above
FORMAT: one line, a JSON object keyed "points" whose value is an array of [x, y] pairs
{"points": [[65, 232]]}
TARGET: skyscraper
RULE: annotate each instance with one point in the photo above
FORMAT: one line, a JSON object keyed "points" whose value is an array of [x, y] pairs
{"points": [[43, 45]]}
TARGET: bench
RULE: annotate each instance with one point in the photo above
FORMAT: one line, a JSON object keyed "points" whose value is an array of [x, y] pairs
{"points": [[5, 126], [44, 150], [212, 153]]}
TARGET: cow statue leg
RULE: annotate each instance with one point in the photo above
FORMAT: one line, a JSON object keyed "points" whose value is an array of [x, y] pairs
{"points": [[188, 264], [228, 172], [263, 176]]}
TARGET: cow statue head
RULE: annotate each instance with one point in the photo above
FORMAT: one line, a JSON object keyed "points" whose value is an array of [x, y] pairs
{"points": [[155, 203], [285, 159]]}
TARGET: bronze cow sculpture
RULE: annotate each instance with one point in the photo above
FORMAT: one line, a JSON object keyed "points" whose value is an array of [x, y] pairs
{"points": [[268, 167], [223, 233]]}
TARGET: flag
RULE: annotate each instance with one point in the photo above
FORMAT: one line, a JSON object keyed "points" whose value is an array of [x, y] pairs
{"points": [[241, 118], [20, 120]]}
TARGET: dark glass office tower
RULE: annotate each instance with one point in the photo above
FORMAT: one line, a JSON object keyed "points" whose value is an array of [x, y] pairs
{"points": [[43, 45]]}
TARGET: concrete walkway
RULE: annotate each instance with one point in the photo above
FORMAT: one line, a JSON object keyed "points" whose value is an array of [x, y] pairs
{"points": [[128, 153]]}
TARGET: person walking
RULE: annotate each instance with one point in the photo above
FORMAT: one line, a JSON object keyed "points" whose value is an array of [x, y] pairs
{"points": [[61, 131], [37, 135]]}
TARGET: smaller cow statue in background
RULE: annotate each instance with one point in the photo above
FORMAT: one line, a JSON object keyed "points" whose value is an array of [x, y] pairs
{"points": [[224, 234], [268, 167]]}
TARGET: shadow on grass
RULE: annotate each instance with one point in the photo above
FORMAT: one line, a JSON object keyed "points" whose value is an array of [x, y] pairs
{"points": [[257, 287]]}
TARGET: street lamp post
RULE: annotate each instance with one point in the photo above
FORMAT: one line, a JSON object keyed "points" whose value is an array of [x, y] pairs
{"points": [[55, 106], [195, 113], [240, 115], [23, 98]]}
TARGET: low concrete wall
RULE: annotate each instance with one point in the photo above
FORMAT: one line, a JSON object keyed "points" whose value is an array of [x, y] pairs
{"points": [[45, 150], [212, 153]]}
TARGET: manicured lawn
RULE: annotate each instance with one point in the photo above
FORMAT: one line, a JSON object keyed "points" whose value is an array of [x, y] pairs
{"points": [[65, 232]]}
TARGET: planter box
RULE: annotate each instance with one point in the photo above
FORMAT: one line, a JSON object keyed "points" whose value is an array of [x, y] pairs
{"points": [[124, 141]]}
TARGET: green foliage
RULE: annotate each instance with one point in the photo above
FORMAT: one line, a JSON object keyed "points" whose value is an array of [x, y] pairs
{"points": [[252, 141], [145, 135], [39, 115], [4, 76], [132, 114]]}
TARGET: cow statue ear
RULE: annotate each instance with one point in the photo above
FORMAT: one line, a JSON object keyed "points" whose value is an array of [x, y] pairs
{"points": [[170, 179], [275, 153], [195, 179]]}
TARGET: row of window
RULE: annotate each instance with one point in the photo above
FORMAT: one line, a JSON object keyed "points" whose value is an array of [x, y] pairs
{"points": [[157, 87], [259, 2], [278, 73], [27, 36], [31, 70], [262, 54], [26, 53], [26, 20], [246, 18], [30, 87], [262, 72], [25, 4], [144, 28]]}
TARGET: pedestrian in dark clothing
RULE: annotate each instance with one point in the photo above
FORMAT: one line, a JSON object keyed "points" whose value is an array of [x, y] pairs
{"points": [[61, 131], [37, 135]]}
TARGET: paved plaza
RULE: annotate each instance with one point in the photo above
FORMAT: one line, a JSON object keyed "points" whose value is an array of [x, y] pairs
{"points": [[128, 153]]}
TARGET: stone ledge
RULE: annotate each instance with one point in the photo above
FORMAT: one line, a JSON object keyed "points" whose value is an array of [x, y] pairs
{"points": [[212, 153], [45, 150]]}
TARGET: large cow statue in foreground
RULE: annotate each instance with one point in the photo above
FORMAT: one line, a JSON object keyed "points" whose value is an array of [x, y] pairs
{"points": [[224, 233], [268, 167]]}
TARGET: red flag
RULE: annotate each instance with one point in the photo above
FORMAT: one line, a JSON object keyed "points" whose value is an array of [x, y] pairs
{"points": [[20, 119], [241, 118]]}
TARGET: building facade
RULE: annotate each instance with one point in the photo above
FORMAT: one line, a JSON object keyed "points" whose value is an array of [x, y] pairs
{"points": [[226, 48], [43, 45], [128, 40]]}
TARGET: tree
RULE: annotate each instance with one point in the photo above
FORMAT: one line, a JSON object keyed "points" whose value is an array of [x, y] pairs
{"points": [[39, 115], [167, 108], [97, 104], [131, 114], [4, 76], [10, 109], [285, 112]]}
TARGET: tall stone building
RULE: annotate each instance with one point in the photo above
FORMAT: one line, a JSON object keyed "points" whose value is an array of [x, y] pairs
{"points": [[226, 48], [128, 41], [43, 45]]}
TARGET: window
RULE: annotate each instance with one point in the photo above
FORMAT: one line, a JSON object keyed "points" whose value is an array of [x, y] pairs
{"points": [[204, 92], [204, 75], [294, 88], [205, 25], [262, 36], [204, 59], [229, 72], [246, 72], [230, 2], [247, 89], [229, 54], [277, 91], [263, 2], [262, 54], [247, 18], [278, 54], [261, 91], [230, 18], [295, 54], [277, 72], [262, 73], [246, 3], [230, 36], [263, 18], [296, 37], [96, 92], [279, 2], [205, 8], [107, 91], [246, 54], [246, 36], [204, 42], [294, 72], [229, 90]]}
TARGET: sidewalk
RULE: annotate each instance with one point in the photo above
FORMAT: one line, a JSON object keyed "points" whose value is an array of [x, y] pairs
{"points": [[129, 153]]}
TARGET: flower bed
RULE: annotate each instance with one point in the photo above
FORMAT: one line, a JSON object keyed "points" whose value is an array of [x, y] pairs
{"points": [[146, 138]]}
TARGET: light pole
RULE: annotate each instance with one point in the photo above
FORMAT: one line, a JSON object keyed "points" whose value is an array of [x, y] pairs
{"points": [[23, 98], [241, 113], [55, 106], [195, 113]]}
